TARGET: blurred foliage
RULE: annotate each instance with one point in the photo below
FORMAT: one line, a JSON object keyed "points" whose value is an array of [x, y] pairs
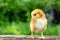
{"points": [[15, 15]]}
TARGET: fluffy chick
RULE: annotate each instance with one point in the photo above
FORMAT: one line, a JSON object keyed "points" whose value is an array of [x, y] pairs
{"points": [[38, 22]]}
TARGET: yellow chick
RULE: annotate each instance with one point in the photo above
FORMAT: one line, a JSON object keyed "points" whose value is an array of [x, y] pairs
{"points": [[38, 22]]}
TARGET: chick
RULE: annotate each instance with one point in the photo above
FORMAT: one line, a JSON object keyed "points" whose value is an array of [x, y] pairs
{"points": [[38, 22]]}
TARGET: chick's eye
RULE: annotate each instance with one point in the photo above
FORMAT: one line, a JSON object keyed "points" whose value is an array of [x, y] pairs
{"points": [[34, 14]]}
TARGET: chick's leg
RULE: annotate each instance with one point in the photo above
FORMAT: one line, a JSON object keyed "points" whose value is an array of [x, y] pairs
{"points": [[42, 36], [32, 34], [32, 31]]}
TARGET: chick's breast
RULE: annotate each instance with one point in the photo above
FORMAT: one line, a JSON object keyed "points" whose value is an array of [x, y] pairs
{"points": [[39, 25]]}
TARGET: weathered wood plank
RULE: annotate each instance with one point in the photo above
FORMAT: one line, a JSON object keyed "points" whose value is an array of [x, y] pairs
{"points": [[27, 37]]}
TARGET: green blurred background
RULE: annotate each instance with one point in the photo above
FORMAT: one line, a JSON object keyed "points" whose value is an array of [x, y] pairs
{"points": [[15, 16]]}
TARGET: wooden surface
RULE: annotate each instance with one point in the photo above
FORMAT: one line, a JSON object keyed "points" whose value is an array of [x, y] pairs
{"points": [[27, 37]]}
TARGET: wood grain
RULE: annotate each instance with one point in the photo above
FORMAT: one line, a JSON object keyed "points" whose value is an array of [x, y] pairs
{"points": [[27, 37]]}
